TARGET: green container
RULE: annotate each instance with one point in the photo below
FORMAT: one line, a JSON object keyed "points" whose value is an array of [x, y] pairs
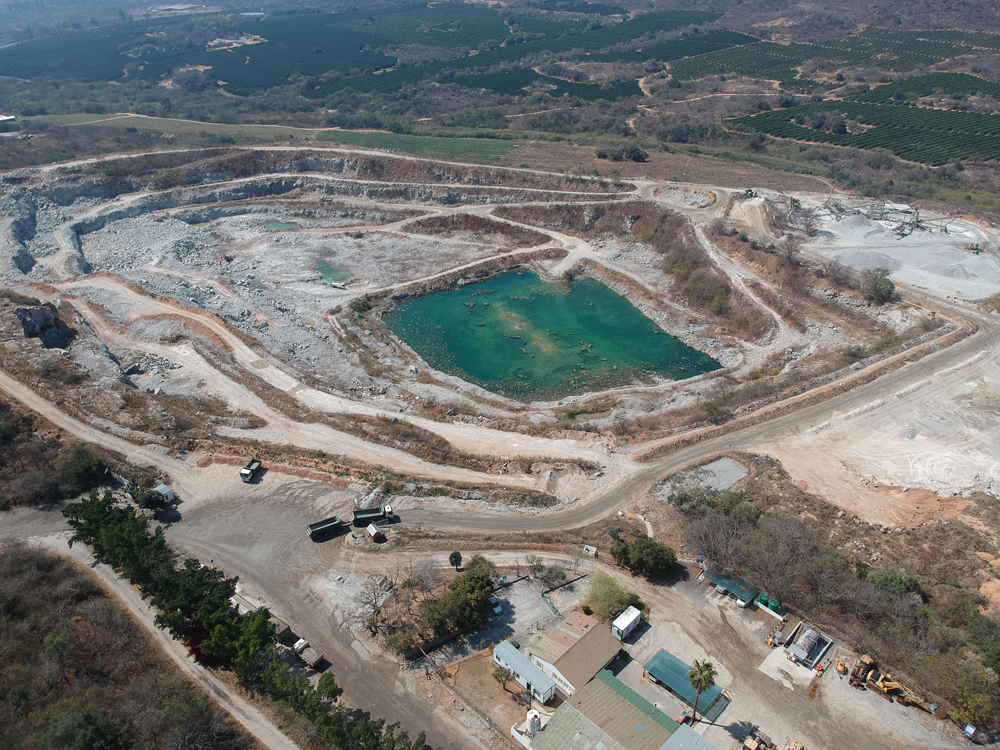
{"points": [[773, 605], [762, 598]]}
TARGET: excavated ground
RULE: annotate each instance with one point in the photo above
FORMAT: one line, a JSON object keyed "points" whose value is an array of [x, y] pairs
{"points": [[244, 278]]}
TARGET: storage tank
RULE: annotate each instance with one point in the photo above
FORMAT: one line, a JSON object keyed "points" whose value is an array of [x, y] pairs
{"points": [[534, 722]]}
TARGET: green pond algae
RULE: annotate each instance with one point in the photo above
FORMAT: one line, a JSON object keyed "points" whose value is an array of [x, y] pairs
{"points": [[533, 341]]}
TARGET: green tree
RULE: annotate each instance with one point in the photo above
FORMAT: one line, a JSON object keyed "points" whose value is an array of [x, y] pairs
{"points": [[194, 604], [702, 677], [502, 676], [328, 688], [59, 650], [88, 729], [877, 286], [650, 558], [254, 646], [607, 598], [619, 551], [151, 500], [479, 564], [969, 685], [81, 470], [455, 560], [470, 594]]}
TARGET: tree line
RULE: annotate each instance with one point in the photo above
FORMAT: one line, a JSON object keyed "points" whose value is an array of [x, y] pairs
{"points": [[194, 606]]}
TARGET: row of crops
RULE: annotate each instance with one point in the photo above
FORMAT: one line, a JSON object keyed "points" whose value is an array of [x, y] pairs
{"points": [[608, 36], [515, 82], [675, 49], [956, 85], [575, 6], [898, 51], [928, 136]]}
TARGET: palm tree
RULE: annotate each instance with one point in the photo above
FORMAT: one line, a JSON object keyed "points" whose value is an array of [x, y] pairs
{"points": [[701, 677]]}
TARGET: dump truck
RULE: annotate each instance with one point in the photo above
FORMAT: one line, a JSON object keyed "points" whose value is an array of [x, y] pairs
{"points": [[247, 472], [373, 515], [324, 528], [311, 656]]}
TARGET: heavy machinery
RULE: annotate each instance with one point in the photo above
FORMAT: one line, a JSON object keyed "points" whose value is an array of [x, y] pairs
{"points": [[866, 675]]}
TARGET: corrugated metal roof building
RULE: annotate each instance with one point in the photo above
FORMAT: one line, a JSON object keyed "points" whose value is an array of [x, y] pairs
{"points": [[524, 671], [574, 651], [605, 714], [732, 583], [672, 673]]}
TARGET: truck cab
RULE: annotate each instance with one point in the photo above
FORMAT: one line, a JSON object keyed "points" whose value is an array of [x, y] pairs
{"points": [[247, 472]]}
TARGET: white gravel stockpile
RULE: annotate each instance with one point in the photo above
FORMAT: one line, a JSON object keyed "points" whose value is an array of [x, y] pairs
{"points": [[943, 270], [861, 228], [684, 198]]}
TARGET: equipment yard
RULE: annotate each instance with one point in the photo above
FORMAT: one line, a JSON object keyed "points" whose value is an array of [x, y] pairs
{"points": [[218, 315]]}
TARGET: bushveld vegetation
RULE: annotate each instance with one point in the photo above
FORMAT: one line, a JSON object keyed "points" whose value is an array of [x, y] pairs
{"points": [[34, 470], [78, 672]]}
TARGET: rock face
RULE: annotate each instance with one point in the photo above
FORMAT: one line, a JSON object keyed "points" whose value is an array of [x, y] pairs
{"points": [[34, 320]]}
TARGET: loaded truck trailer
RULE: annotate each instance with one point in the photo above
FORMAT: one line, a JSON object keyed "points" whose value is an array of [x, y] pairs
{"points": [[247, 472], [374, 515], [324, 528]]}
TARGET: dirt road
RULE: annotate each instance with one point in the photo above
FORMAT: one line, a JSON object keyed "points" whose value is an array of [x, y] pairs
{"points": [[253, 720]]}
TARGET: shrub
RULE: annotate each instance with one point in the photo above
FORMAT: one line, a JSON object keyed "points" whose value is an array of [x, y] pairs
{"points": [[877, 286], [607, 599]]}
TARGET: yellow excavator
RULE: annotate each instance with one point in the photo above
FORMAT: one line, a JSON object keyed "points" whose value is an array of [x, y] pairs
{"points": [[866, 675]]}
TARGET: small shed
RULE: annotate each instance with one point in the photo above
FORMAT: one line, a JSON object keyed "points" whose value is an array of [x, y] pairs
{"points": [[524, 671], [168, 494], [625, 623], [375, 533]]}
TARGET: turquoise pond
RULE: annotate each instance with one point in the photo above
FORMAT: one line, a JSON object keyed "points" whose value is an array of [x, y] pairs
{"points": [[533, 341], [280, 225], [329, 272]]}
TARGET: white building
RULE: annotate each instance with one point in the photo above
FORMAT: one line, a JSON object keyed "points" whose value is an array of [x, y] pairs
{"points": [[525, 673]]}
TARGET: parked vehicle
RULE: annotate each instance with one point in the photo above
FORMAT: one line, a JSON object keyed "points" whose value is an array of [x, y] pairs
{"points": [[324, 528], [311, 656], [247, 472], [497, 609], [373, 515]]}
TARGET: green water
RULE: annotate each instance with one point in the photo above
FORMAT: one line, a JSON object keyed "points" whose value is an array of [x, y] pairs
{"points": [[330, 272], [525, 339], [280, 225]]}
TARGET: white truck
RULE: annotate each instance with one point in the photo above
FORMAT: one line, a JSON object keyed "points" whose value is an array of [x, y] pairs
{"points": [[247, 472]]}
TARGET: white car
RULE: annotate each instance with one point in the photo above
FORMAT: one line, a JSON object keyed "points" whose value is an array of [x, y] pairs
{"points": [[300, 645], [497, 609]]}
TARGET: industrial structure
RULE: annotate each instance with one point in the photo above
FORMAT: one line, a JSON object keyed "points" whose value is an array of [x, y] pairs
{"points": [[606, 714], [807, 645], [727, 582]]}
